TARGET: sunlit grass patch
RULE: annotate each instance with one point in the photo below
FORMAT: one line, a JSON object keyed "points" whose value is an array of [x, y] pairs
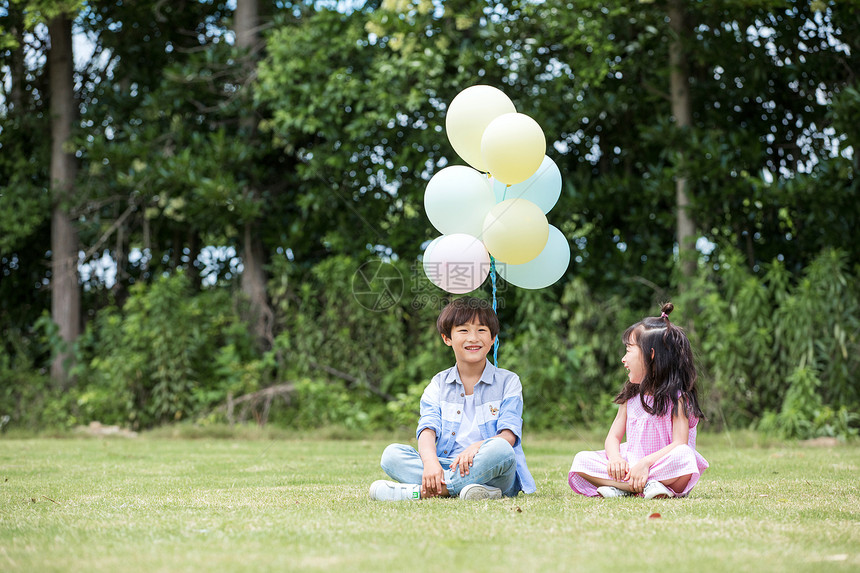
{"points": [[275, 502]]}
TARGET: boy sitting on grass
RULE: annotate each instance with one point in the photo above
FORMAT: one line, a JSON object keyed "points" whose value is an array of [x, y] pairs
{"points": [[470, 428]]}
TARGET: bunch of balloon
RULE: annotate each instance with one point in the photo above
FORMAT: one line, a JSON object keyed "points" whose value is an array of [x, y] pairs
{"points": [[494, 211]]}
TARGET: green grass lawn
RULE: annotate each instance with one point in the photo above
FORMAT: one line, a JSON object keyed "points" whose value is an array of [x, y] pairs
{"points": [[276, 504]]}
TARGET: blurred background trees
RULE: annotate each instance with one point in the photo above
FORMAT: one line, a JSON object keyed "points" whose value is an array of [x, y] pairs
{"points": [[220, 172]]}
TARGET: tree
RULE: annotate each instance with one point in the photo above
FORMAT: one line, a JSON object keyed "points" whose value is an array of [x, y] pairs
{"points": [[762, 79], [682, 112], [358, 101], [254, 255], [24, 165], [159, 147], [763, 144], [598, 89], [65, 289], [350, 106]]}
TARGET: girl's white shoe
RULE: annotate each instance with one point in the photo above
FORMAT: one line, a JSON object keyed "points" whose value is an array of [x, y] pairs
{"points": [[611, 491], [656, 490]]}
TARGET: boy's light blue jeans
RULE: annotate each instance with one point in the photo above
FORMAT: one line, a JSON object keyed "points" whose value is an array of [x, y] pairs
{"points": [[494, 465]]}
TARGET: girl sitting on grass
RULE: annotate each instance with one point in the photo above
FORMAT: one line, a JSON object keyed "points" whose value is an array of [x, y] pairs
{"points": [[658, 411]]}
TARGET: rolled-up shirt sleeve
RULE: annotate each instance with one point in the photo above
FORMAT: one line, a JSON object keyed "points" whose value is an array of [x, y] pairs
{"points": [[431, 408]]}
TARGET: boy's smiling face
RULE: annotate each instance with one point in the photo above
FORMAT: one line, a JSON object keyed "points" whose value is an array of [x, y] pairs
{"points": [[471, 342]]}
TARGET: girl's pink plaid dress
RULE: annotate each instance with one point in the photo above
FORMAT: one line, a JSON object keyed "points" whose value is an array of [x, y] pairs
{"points": [[645, 435]]}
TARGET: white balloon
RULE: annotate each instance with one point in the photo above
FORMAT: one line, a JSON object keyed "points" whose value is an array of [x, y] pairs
{"points": [[456, 263]]}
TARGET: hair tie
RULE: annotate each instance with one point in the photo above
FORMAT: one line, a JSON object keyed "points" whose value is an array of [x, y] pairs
{"points": [[664, 315]]}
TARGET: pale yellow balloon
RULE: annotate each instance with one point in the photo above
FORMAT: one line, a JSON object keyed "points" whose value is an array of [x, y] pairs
{"points": [[513, 147], [469, 114], [515, 231]]}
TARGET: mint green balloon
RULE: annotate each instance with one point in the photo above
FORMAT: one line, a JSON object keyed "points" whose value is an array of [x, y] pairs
{"points": [[543, 270], [457, 199], [543, 188]]}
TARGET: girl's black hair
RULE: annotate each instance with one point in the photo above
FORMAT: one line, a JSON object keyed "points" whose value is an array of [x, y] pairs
{"points": [[670, 376]]}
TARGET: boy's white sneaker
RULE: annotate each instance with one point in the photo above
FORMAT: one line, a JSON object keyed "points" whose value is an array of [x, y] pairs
{"points": [[656, 490], [612, 491], [476, 491], [384, 490]]}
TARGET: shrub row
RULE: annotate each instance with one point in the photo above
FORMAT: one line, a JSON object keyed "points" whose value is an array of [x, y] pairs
{"points": [[774, 353]]}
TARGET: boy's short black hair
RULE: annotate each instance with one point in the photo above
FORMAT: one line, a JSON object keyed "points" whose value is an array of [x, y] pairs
{"points": [[467, 309]]}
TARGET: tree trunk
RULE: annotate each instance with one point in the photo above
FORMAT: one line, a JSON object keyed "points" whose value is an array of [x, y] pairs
{"points": [[681, 110], [16, 29], [260, 314], [253, 253], [246, 20], [65, 290]]}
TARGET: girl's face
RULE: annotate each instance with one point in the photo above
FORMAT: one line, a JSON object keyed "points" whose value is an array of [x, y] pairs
{"points": [[634, 362]]}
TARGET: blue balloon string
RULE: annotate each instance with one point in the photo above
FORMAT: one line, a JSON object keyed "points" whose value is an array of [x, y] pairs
{"points": [[493, 280]]}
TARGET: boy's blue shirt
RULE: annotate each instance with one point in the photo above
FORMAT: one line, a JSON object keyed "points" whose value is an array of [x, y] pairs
{"points": [[498, 406]]}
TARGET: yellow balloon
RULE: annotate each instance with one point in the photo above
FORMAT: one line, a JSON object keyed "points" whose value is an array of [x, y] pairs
{"points": [[469, 114], [515, 231], [513, 147]]}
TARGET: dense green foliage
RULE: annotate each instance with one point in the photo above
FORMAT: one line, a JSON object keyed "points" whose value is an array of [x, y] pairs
{"points": [[164, 356], [322, 146]]}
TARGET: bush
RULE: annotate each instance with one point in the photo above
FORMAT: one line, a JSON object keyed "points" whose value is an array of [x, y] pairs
{"points": [[767, 348], [28, 399], [774, 352], [779, 352], [168, 354], [356, 354], [567, 352]]}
